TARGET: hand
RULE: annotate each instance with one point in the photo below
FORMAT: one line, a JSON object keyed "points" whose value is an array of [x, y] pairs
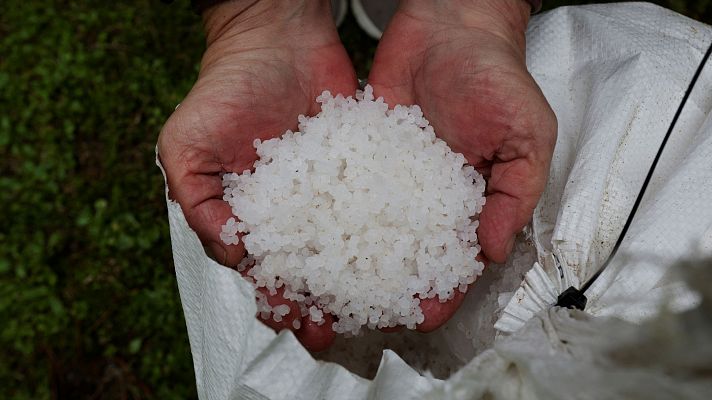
{"points": [[463, 62], [264, 65]]}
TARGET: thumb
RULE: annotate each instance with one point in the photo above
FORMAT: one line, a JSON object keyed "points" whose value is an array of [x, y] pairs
{"points": [[517, 177], [194, 181], [513, 192]]}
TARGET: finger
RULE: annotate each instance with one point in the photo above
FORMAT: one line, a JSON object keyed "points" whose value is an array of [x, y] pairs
{"points": [[518, 176], [286, 321], [436, 313], [513, 192], [194, 181], [208, 218], [316, 337]]}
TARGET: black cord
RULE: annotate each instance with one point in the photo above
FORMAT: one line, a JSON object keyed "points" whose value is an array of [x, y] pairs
{"points": [[575, 298]]}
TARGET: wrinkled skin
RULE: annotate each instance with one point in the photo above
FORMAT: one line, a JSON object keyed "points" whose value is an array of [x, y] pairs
{"points": [[463, 62], [263, 66], [260, 70]]}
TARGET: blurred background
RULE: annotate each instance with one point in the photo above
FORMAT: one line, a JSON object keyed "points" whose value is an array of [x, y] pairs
{"points": [[89, 307]]}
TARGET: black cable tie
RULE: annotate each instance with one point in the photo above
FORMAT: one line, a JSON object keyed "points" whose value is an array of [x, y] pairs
{"points": [[575, 298]]}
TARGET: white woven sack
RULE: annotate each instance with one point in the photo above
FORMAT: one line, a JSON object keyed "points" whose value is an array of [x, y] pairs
{"points": [[614, 75]]}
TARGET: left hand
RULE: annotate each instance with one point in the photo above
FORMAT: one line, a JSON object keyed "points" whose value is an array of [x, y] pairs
{"points": [[264, 64]]}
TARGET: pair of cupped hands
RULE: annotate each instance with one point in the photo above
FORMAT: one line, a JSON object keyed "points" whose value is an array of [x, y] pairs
{"points": [[462, 61]]}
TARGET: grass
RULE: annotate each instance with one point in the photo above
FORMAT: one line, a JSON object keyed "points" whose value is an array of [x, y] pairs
{"points": [[88, 299]]}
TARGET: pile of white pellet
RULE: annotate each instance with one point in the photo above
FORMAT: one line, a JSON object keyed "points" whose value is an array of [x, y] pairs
{"points": [[361, 213]]}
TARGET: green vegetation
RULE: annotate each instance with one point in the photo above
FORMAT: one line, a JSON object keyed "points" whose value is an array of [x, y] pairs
{"points": [[88, 299]]}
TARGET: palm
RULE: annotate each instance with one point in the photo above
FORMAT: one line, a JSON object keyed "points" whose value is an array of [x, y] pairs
{"points": [[474, 88], [239, 97]]}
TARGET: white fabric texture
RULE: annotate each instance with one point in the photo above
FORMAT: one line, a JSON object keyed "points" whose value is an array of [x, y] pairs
{"points": [[614, 75]]}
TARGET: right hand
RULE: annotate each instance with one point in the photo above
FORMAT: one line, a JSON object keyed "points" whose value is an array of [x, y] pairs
{"points": [[265, 63], [464, 63]]}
